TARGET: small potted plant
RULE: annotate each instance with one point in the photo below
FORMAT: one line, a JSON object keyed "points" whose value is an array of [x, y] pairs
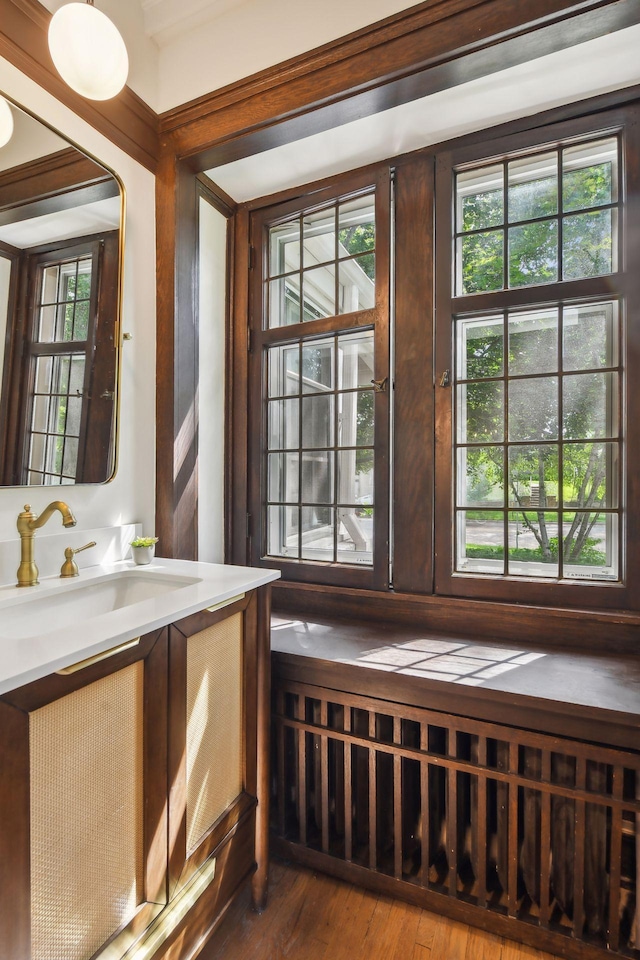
{"points": [[143, 549]]}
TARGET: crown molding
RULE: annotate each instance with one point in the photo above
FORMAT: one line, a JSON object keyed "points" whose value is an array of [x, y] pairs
{"points": [[126, 120], [429, 47]]}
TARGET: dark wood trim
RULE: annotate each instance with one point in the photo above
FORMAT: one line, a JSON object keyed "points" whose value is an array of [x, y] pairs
{"points": [[364, 688], [237, 533], [376, 317], [126, 119], [430, 47], [413, 453], [15, 913], [49, 176], [9, 345], [225, 205], [624, 284], [216, 196], [76, 197], [234, 864], [229, 385], [177, 360], [183, 862], [262, 744], [96, 450], [155, 769], [467, 618]]}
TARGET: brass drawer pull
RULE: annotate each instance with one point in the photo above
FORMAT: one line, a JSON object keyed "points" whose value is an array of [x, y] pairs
{"points": [[66, 671], [225, 603]]}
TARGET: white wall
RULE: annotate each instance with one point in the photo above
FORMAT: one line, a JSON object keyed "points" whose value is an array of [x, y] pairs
{"points": [[130, 496], [212, 296], [252, 36]]}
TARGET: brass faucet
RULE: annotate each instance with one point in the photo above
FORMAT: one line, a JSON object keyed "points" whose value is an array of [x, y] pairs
{"points": [[28, 523]]}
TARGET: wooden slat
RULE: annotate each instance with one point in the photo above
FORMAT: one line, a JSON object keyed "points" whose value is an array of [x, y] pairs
{"points": [[281, 741], [397, 801], [470, 725], [512, 890], [545, 842], [615, 861], [464, 766], [348, 802], [637, 877], [324, 778], [481, 827], [577, 792], [578, 865], [425, 818], [302, 774], [373, 798], [452, 816]]}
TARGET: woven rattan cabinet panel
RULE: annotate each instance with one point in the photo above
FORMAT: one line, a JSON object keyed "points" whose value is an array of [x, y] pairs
{"points": [[86, 762], [83, 806], [214, 724], [134, 792]]}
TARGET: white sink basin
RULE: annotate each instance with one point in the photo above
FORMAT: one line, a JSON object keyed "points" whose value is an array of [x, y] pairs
{"points": [[59, 624], [73, 603]]}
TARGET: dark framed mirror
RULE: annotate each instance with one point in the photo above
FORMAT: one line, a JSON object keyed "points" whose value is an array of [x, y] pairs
{"points": [[61, 242]]}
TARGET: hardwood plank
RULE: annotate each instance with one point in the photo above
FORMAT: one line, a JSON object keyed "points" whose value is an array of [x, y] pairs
{"points": [[355, 913], [314, 917], [450, 941], [484, 946], [405, 920], [520, 951], [426, 929], [420, 952], [242, 928]]}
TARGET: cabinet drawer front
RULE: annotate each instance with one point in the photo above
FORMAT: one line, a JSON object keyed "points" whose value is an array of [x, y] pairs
{"points": [[87, 859], [215, 748]]}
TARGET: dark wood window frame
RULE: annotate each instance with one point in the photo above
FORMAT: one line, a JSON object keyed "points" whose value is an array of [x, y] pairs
{"points": [[377, 320], [621, 284], [421, 479], [98, 460]]}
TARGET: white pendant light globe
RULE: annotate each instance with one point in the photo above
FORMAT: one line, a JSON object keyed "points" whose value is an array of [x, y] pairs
{"points": [[6, 122], [88, 51]]}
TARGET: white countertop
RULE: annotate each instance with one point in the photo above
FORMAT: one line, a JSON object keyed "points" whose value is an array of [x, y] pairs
{"points": [[27, 654]]}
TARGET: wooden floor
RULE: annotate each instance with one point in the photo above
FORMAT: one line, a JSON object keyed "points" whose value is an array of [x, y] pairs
{"points": [[314, 917]]}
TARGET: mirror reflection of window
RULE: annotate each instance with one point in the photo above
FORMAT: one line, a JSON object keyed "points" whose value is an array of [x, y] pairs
{"points": [[61, 317], [60, 215]]}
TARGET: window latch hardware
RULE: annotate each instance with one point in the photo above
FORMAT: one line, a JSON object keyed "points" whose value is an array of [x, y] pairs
{"points": [[380, 386], [445, 379]]}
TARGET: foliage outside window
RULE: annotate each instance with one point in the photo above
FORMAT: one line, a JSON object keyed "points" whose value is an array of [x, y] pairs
{"points": [[537, 386], [538, 219]]}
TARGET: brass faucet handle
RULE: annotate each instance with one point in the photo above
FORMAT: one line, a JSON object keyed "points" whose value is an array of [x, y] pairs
{"points": [[70, 567]]}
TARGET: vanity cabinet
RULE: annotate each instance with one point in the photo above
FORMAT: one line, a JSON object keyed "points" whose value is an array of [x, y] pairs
{"points": [[132, 795]]}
